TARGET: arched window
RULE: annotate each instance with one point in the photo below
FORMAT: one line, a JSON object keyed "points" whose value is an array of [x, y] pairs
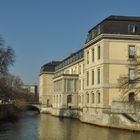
{"points": [[57, 99], [48, 102], [60, 99], [131, 97], [99, 97], [87, 98], [93, 98], [69, 99]]}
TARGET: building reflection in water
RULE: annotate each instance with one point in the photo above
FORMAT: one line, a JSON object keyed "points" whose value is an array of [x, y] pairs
{"points": [[53, 128]]}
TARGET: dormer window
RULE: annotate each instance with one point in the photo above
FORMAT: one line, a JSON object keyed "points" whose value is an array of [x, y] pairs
{"points": [[87, 40], [131, 28], [99, 30]]}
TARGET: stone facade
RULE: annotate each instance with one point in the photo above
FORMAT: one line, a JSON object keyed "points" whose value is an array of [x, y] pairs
{"points": [[86, 85]]}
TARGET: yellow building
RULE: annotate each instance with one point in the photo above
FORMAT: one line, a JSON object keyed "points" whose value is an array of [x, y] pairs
{"points": [[88, 78], [46, 83]]}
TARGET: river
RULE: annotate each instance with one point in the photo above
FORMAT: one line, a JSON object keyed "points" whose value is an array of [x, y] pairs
{"points": [[33, 126]]}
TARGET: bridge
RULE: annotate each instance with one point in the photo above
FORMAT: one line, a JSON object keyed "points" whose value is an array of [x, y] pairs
{"points": [[36, 107]]}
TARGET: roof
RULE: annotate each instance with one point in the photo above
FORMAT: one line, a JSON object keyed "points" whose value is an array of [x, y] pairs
{"points": [[118, 18], [123, 18], [50, 67]]}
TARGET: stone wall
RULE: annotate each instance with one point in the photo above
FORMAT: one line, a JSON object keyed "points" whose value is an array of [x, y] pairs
{"points": [[125, 107], [100, 116]]}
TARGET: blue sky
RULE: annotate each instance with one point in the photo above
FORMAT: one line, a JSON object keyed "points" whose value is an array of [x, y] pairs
{"points": [[44, 30]]}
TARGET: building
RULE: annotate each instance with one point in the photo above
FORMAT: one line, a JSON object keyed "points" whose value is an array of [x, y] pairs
{"points": [[32, 90], [88, 79], [46, 83]]}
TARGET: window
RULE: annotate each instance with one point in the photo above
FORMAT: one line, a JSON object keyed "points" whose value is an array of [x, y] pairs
{"points": [[88, 37], [99, 30], [79, 84], [69, 99], [70, 85], [93, 55], [131, 74], [92, 77], [79, 69], [87, 98], [56, 98], [131, 97], [83, 68], [77, 56], [99, 100], [93, 98], [59, 98], [131, 51], [93, 34], [98, 77], [83, 83], [87, 78], [131, 28], [88, 57], [99, 52]]}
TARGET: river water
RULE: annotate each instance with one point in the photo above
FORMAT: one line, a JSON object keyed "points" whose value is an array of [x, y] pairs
{"points": [[33, 126]]}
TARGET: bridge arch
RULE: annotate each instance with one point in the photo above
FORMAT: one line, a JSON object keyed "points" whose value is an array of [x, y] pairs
{"points": [[33, 107]]}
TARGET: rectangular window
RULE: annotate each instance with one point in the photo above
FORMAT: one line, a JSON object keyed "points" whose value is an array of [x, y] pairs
{"points": [[79, 84], [131, 74], [70, 85], [87, 98], [99, 51], [93, 98], [87, 78], [131, 51], [99, 98], [93, 55], [83, 68], [98, 80], [99, 30], [92, 77], [93, 34], [131, 28], [88, 57], [79, 69], [83, 83], [88, 38], [60, 99]]}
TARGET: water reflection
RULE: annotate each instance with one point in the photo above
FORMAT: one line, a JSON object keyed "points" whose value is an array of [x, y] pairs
{"points": [[26, 128], [32, 126], [52, 128]]}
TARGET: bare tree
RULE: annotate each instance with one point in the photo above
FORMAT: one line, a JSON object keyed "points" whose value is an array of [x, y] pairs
{"points": [[7, 58], [131, 81]]}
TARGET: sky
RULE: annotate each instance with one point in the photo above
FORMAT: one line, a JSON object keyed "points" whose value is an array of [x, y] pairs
{"points": [[44, 30]]}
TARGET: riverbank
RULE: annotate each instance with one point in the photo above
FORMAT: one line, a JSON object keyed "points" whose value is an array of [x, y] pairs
{"points": [[97, 116], [8, 111]]}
